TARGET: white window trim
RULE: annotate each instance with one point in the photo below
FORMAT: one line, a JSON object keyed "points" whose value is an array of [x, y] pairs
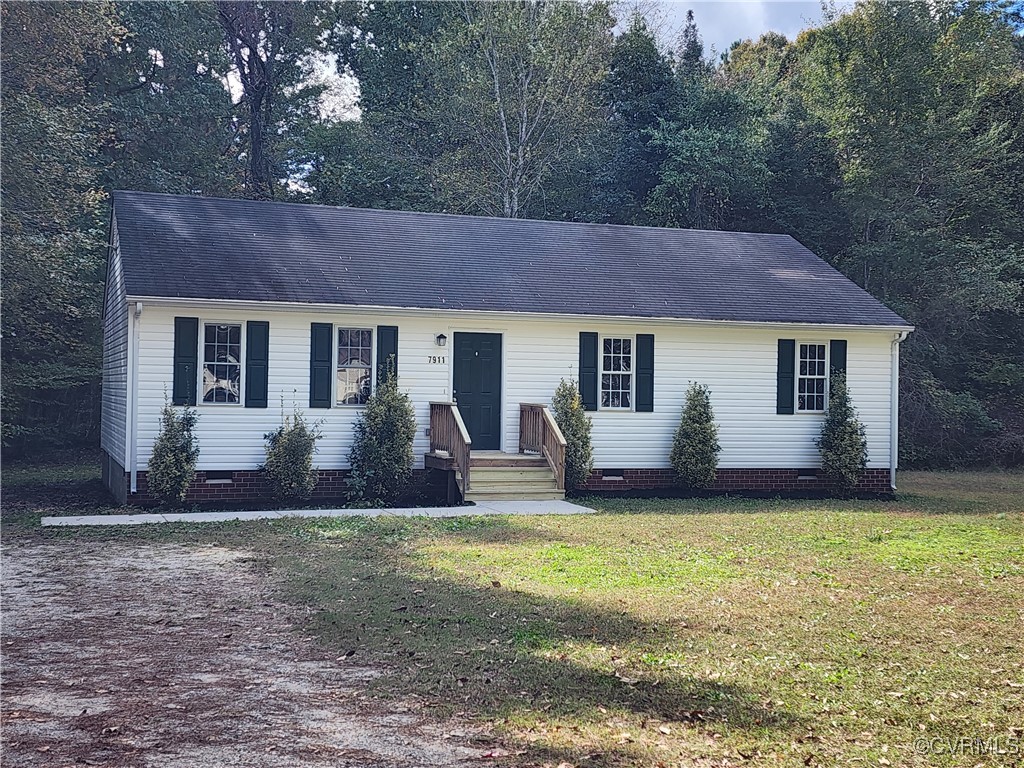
{"points": [[632, 373], [334, 359], [201, 356], [797, 377]]}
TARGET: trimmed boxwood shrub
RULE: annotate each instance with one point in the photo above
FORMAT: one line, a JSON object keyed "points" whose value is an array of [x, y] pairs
{"points": [[843, 443], [172, 467], [571, 417], [695, 448], [288, 469], [381, 456]]}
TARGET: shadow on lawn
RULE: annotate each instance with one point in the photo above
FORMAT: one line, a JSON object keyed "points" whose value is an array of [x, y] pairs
{"points": [[494, 654]]}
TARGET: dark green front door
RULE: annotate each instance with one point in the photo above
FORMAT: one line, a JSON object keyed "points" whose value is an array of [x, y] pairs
{"points": [[477, 387]]}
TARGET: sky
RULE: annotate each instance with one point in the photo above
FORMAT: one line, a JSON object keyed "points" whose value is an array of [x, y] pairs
{"points": [[724, 21]]}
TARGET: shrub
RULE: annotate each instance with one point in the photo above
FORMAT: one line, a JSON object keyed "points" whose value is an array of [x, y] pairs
{"points": [[172, 467], [288, 468], [381, 457], [572, 419], [695, 448], [843, 445]]}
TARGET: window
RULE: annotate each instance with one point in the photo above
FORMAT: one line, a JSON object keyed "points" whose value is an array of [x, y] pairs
{"points": [[222, 363], [812, 378], [617, 373], [355, 365]]}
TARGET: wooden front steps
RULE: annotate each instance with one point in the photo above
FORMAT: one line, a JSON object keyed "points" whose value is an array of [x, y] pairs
{"points": [[537, 471], [511, 476]]}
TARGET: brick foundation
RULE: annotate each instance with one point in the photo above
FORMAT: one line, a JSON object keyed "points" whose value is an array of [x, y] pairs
{"points": [[248, 486], [765, 481]]}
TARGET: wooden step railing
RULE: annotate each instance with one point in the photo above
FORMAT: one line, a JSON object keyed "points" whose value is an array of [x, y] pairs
{"points": [[538, 433], [448, 433]]}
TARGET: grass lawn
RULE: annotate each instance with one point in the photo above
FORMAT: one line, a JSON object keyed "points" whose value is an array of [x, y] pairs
{"points": [[679, 632]]}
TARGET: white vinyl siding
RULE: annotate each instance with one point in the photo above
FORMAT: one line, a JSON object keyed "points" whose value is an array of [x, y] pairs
{"points": [[739, 365], [114, 398]]}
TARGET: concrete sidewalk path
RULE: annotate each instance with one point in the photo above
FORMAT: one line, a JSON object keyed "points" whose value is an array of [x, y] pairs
{"points": [[486, 508]]}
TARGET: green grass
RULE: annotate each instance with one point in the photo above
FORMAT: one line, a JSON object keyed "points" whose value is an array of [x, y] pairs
{"points": [[696, 632]]}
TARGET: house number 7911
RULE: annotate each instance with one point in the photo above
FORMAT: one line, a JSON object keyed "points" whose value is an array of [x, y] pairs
{"points": [[436, 359]]}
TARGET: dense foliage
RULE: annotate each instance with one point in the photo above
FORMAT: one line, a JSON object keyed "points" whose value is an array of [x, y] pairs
{"points": [[889, 140], [381, 457], [288, 468], [843, 444], [572, 419], [172, 466], [694, 455]]}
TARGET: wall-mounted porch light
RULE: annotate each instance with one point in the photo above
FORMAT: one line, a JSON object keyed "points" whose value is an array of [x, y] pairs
{"points": [[441, 339]]}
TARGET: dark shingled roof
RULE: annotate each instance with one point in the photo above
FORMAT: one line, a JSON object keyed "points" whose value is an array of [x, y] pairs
{"points": [[208, 248]]}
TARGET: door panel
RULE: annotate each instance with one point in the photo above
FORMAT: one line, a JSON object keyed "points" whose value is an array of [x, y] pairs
{"points": [[477, 387]]}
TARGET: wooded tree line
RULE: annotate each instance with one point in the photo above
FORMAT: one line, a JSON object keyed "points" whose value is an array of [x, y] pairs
{"points": [[889, 140]]}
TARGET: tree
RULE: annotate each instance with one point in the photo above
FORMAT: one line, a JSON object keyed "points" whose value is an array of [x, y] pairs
{"points": [[172, 465], [640, 90], [695, 448], [385, 46], [381, 457], [158, 89], [52, 227], [572, 419], [514, 95], [270, 43], [919, 101], [843, 443], [288, 467]]}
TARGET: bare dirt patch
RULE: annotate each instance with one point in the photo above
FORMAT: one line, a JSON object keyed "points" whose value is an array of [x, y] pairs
{"points": [[120, 654]]}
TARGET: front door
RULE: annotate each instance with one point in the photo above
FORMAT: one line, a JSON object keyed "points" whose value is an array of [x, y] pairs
{"points": [[477, 387]]}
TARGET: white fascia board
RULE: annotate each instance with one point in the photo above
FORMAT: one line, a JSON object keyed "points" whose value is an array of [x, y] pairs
{"points": [[288, 306]]}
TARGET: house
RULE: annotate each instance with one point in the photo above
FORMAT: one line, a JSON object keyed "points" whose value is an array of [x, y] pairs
{"points": [[247, 309]]}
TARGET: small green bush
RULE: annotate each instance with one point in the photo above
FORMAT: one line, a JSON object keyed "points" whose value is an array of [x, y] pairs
{"points": [[695, 448], [381, 457], [288, 468], [172, 467], [843, 444], [571, 417]]}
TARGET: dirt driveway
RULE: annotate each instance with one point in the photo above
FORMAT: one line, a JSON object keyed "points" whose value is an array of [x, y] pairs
{"points": [[118, 654]]}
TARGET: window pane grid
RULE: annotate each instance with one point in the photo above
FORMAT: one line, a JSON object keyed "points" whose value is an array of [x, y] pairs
{"points": [[812, 378], [355, 365], [222, 369], [616, 373]]}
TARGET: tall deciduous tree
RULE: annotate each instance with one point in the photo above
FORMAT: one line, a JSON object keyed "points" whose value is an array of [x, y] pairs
{"points": [[930, 158], [159, 90], [270, 44], [515, 93], [52, 231]]}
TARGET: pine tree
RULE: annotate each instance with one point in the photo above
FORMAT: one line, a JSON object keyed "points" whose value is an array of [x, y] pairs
{"points": [[844, 447], [571, 417], [695, 448]]}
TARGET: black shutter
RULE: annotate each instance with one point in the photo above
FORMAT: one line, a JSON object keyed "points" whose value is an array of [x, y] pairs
{"points": [[837, 356], [387, 352], [186, 351], [257, 363], [320, 358], [644, 372], [588, 370], [785, 384]]}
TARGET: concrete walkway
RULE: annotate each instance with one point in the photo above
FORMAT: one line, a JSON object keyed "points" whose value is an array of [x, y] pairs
{"points": [[485, 508]]}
